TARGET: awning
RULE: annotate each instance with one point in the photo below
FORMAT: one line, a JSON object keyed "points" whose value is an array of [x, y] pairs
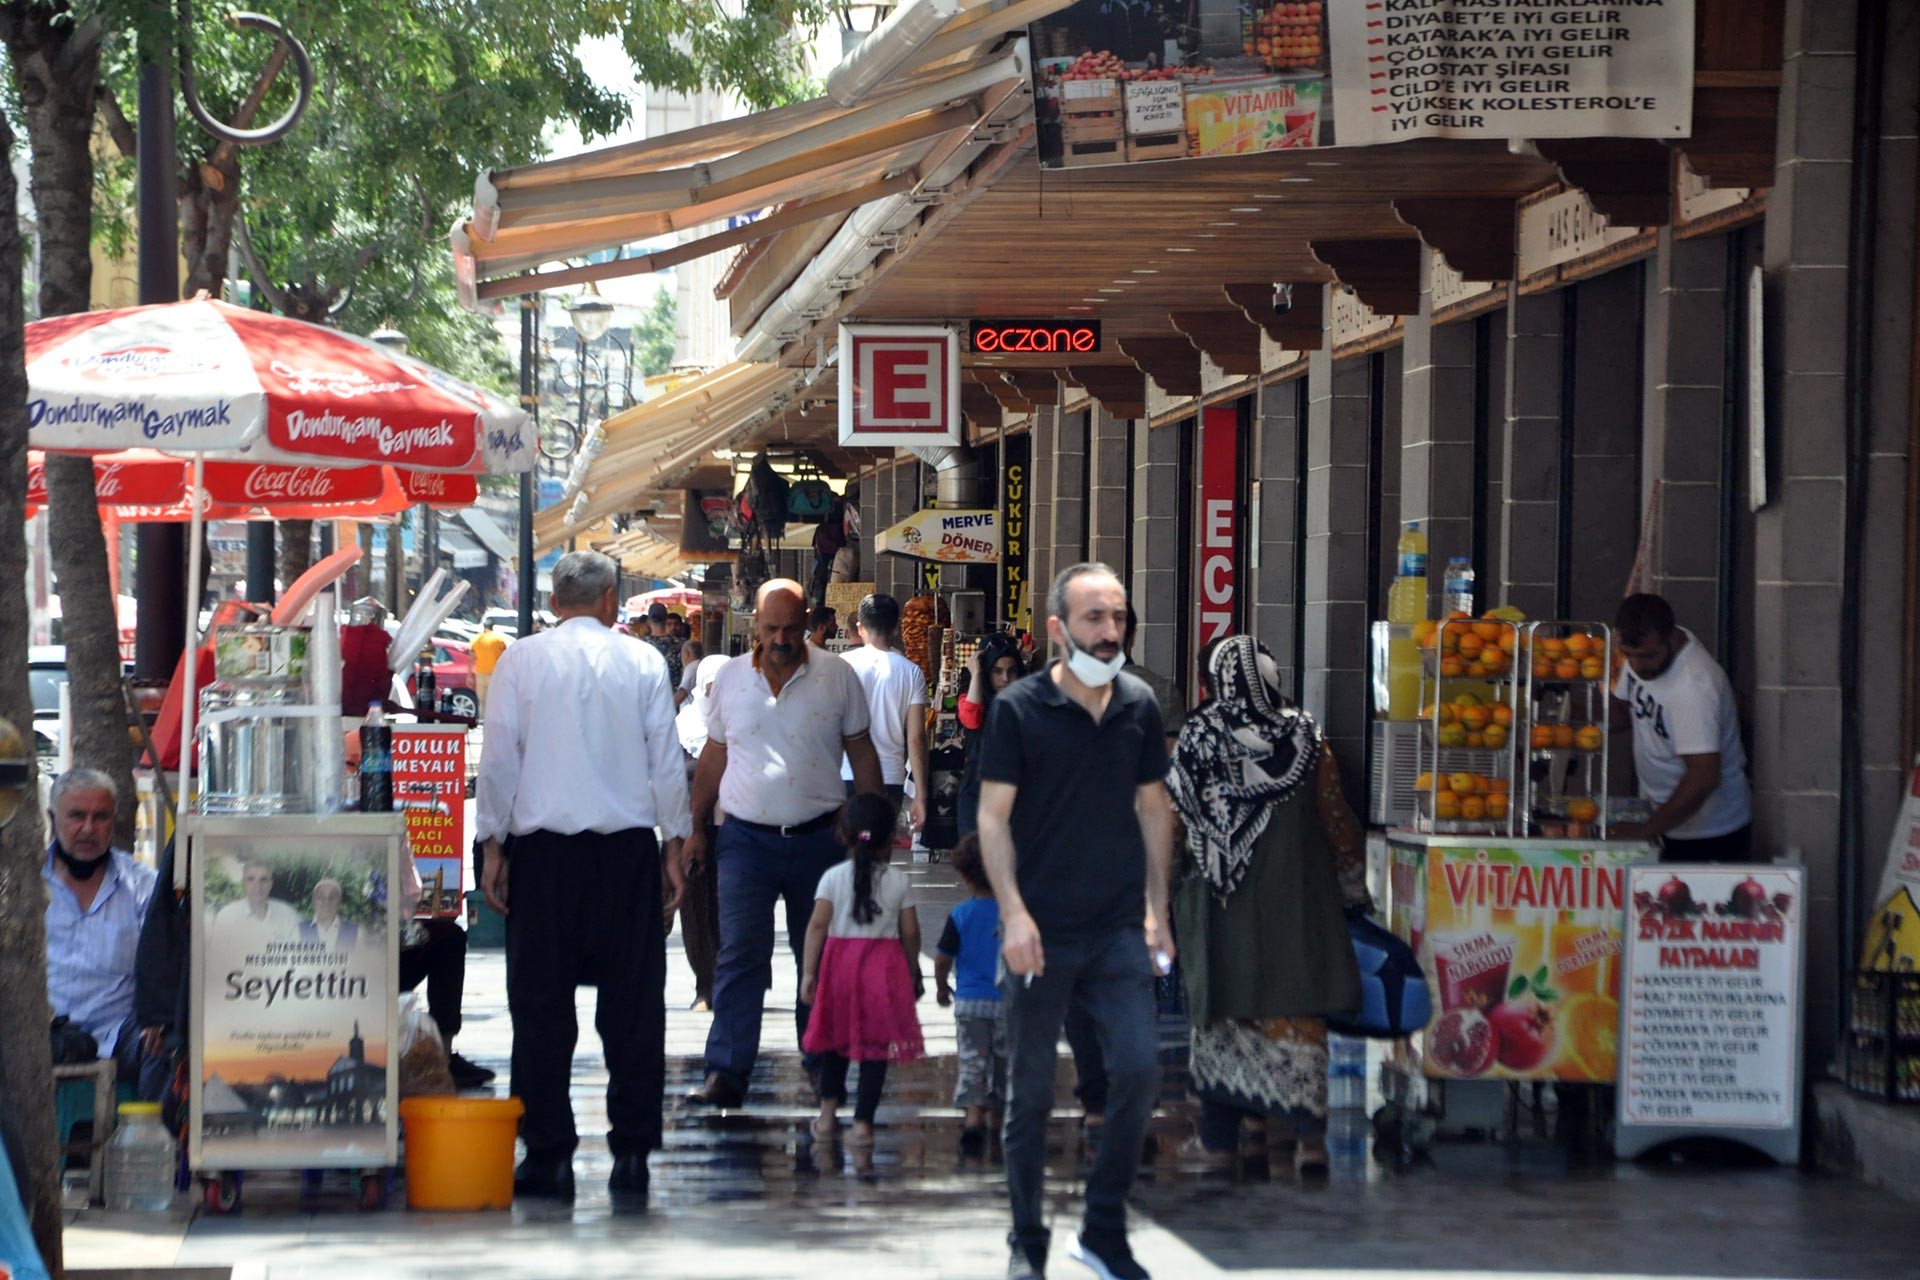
{"points": [[491, 536], [652, 445], [897, 135]]}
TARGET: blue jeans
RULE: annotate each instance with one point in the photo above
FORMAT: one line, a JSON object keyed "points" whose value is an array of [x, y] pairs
{"points": [[755, 871], [1111, 977]]}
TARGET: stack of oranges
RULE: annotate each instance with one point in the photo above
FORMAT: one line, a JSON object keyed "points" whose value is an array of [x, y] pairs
{"points": [[1575, 657], [1566, 737], [1466, 722], [1469, 648], [1464, 797]]}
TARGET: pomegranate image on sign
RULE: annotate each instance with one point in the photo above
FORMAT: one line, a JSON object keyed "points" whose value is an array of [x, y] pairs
{"points": [[1463, 1043]]}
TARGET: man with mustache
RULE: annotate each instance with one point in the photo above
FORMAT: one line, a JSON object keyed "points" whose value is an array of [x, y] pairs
{"points": [[780, 719]]}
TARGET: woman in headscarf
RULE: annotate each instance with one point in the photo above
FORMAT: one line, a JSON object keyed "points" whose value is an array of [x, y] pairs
{"points": [[994, 666], [1273, 858]]}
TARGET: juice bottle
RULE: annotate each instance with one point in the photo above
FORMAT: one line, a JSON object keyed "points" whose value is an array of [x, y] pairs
{"points": [[1406, 604]]}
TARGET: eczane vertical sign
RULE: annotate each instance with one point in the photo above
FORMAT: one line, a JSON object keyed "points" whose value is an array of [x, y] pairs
{"points": [[1219, 521]]}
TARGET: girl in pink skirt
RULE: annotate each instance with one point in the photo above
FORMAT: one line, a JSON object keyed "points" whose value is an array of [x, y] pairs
{"points": [[861, 971]]}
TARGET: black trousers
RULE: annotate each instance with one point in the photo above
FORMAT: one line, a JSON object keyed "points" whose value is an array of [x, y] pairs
{"points": [[833, 1084], [441, 962], [584, 910], [1734, 846]]}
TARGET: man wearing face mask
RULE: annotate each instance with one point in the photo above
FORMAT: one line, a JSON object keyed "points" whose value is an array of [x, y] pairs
{"points": [[1076, 828], [96, 899]]}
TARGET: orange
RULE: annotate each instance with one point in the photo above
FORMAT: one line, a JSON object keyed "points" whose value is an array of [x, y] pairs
{"points": [[1476, 671], [1423, 783], [1470, 645], [1475, 741], [1499, 786], [1495, 736], [1475, 717], [1449, 639], [1464, 784], [1473, 807], [1581, 809], [1542, 669], [1452, 668], [1502, 714], [1452, 735], [1551, 647], [1446, 806], [1589, 737], [1424, 633], [1488, 631], [1589, 1035], [1429, 712], [1448, 713], [1541, 737], [1566, 669], [1579, 645], [1592, 668], [1508, 639], [1494, 659], [1497, 805], [1459, 615], [1562, 736]]}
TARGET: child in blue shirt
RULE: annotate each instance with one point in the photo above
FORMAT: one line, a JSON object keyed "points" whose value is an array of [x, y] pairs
{"points": [[970, 949]]}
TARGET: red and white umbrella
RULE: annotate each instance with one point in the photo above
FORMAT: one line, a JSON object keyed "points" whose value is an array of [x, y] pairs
{"points": [[144, 485], [210, 378]]}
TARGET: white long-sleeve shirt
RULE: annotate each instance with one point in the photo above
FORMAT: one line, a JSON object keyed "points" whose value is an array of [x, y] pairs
{"points": [[580, 737]]}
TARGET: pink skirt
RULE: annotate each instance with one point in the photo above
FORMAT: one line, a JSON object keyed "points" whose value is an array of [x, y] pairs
{"points": [[863, 1009]]}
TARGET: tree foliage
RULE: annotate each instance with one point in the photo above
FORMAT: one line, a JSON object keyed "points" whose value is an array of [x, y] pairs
{"points": [[653, 335]]}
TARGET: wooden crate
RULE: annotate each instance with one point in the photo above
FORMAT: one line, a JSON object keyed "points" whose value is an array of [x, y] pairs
{"points": [[1157, 146], [1097, 151], [1091, 128]]}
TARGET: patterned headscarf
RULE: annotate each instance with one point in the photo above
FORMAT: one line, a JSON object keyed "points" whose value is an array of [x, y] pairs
{"points": [[1240, 754]]}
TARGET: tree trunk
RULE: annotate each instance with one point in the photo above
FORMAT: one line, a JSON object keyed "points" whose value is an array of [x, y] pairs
{"points": [[26, 1063], [209, 200], [57, 75], [296, 550]]}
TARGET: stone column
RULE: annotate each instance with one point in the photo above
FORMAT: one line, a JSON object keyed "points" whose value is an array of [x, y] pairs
{"points": [[1334, 684], [1068, 509], [1108, 457], [882, 564], [1040, 565], [1436, 442], [1276, 457], [1156, 546], [870, 486], [1606, 439], [903, 577], [1685, 331], [1530, 484]]}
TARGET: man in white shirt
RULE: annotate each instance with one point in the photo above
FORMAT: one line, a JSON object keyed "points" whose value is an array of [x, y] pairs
{"points": [[581, 763], [781, 718], [1686, 738], [258, 918], [896, 703]]}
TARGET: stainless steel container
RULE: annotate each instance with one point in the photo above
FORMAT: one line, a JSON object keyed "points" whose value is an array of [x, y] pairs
{"points": [[257, 750]]}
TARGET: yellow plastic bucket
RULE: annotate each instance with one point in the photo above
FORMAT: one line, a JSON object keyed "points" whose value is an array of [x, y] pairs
{"points": [[460, 1151]]}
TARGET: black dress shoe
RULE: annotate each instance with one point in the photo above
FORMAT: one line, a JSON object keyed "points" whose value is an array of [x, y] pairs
{"points": [[630, 1178], [717, 1092], [543, 1178], [467, 1075]]}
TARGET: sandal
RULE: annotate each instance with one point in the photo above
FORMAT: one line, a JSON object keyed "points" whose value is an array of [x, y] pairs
{"points": [[825, 1128], [861, 1135]]}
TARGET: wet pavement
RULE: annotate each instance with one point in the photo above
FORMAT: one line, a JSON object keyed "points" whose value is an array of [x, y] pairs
{"points": [[752, 1194]]}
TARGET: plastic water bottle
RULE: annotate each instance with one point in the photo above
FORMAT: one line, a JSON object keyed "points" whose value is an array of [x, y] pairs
{"points": [[1407, 597], [1456, 589], [1346, 1072], [140, 1160]]}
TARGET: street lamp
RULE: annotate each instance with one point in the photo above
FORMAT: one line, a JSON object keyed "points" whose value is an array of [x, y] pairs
{"points": [[390, 338], [592, 316], [395, 341]]}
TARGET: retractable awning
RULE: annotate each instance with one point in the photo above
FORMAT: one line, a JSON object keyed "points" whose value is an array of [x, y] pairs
{"points": [[899, 110]]}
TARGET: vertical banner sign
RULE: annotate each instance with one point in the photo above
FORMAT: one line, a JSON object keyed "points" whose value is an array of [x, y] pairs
{"points": [[1710, 1027], [1016, 459], [295, 959], [899, 385], [430, 763], [1219, 520]]}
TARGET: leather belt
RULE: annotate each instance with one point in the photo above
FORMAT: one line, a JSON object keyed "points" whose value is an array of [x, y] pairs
{"points": [[808, 827]]}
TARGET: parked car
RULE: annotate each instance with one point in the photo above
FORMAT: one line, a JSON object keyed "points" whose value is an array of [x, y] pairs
{"points": [[46, 672], [507, 621], [452, 676]]}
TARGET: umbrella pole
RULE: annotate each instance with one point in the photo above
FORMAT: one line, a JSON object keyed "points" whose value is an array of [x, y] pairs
{"points": [[190, 705]]}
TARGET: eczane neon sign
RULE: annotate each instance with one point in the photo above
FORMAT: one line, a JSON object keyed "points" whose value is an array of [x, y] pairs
{"points": [[1039, 337]]}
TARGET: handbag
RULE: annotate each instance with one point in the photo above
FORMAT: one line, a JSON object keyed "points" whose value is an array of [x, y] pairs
{"points": [[72, 1044], [1394, 1000]]}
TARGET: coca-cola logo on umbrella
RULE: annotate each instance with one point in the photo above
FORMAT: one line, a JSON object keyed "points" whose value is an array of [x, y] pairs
{"points": [[264, 484], [137, 364]]}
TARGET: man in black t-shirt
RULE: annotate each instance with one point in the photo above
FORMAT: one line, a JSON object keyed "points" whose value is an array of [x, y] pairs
{"points": [[1077, 833]]}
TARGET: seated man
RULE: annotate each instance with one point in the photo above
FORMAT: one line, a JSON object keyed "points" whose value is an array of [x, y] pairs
{"points": [[96, 900], [441, 961]]}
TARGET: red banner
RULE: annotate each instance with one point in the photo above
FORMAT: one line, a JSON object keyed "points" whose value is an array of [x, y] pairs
{"points": [[1218, 522], [431, 764], [269, 484]]}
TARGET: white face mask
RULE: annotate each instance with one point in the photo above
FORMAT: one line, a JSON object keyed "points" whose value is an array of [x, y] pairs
{"points": [[1089, 670]]}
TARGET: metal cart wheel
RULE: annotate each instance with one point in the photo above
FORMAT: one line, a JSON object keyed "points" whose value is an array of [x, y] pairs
{"points": [[222, 1192]]}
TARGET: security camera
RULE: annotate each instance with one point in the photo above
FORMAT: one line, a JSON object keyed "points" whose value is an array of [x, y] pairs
{"points": [[1282, 299]]}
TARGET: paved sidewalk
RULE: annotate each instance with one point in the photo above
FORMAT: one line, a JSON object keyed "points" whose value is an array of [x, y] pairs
{"points": [[750, 1196]]}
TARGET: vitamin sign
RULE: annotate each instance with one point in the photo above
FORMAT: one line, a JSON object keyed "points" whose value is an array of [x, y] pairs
{"points": [[1041, 337]]}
